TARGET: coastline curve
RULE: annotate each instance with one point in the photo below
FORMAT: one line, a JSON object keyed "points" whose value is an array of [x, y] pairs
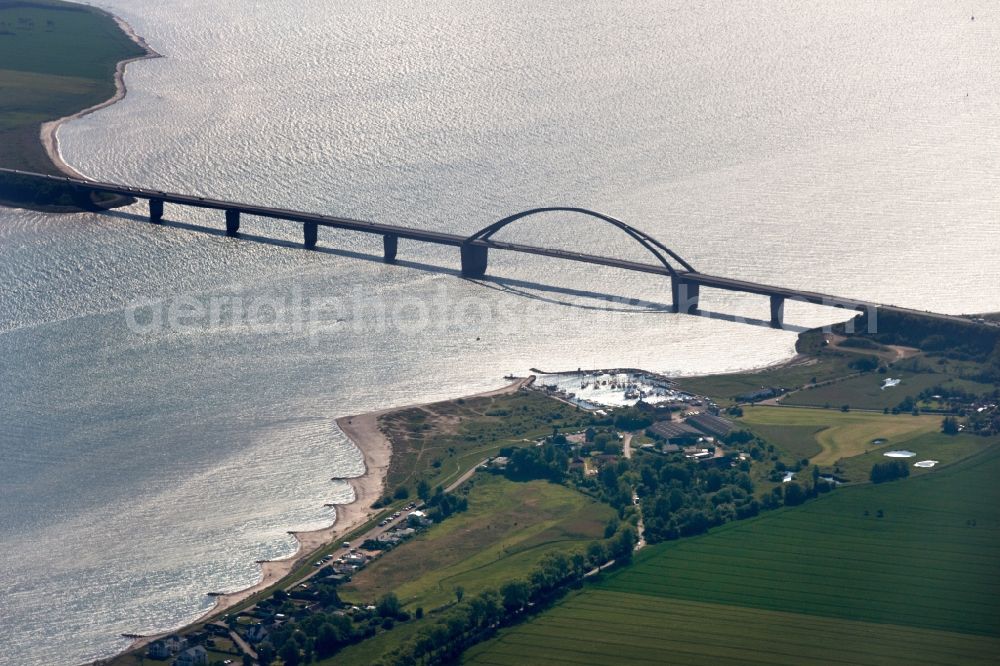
{"points": [[48, 133]]}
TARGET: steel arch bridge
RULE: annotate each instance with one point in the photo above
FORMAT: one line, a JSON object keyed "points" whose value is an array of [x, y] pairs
{"points": [[685, 281], [653, 246]]}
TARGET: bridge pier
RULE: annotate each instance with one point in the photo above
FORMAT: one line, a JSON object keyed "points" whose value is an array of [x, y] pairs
{"points": [[685, 295], [777, 311], [390, 243], [232, 222], [310, 232], [474, 260], [156, 210]]}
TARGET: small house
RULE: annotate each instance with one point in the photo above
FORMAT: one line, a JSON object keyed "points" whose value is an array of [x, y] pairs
{"points": [[194, 656], [158, 650], [256, 633]]}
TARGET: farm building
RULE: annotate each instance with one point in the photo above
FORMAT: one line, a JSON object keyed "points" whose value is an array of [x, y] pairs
{"points": [[762, 394], [674, 433], [716, 426]]}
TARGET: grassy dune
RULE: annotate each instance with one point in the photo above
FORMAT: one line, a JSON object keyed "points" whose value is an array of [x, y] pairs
{"points": [[438, 442], [828, 582]]}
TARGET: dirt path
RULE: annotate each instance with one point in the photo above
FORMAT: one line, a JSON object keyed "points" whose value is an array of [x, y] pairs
{"points": [[640, 528]]}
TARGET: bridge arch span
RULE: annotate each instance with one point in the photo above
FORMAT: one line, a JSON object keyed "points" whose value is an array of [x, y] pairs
{"points": [[474, 256]]}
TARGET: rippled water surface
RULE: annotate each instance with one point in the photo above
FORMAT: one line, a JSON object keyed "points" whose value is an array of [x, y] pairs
{"points": [[848, 149]]}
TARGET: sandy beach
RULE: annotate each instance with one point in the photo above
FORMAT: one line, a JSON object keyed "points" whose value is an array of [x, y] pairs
{"points": [[49, 130], [364, 432], [376, 450]]}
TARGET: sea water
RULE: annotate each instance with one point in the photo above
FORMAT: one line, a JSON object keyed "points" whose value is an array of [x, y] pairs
{"points": [[168, 396]]}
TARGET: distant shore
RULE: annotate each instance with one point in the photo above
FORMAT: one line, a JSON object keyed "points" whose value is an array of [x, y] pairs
{"points": [[48, 131]]}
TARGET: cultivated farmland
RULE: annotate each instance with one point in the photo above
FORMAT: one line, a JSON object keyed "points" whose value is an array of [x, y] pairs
{"points": [[900, 573]]}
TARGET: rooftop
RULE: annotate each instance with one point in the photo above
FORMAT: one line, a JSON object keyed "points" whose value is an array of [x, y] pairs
{"points": [[674, 430]]}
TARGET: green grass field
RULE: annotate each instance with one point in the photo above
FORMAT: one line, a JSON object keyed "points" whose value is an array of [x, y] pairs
{"points": [[837, 434], [56, 58], [797, 441], [506, 530], [865, 391], [724, 387], [827, 582], [946, 449]]}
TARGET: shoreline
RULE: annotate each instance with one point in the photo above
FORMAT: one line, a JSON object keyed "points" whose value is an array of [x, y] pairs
{"points": [[376, 450], [49, 129]]}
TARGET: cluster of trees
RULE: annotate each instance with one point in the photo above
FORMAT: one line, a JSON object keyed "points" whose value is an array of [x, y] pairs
{"points": [[865, 363], [682, 498], [740, 436], [948, 393], [630, 418], [984, 423], [309, 635], [548, 461], [26, 190], [991, 367], [889, 471], [612, 485], [959, 339], [442, 505], [604, 441], [679, 497], [477, 618], [907, 404]]}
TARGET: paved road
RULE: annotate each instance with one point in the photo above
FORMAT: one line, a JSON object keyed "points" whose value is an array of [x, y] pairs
{"points": [[465, 477], [243, 645]]}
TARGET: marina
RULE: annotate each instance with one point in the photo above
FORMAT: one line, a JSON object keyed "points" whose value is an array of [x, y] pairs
{"points": [[592, 390]]}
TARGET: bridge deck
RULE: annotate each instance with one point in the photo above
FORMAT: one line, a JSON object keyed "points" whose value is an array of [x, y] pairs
{"points": [[443, 238]]}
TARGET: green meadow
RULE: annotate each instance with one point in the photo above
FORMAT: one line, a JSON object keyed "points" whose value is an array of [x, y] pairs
{"points": [[866, 392], [724, 388], [508, 527], [825, 436], [899, 573]]}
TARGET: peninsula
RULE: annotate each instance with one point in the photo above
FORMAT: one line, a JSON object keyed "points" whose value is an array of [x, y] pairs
{"points": [[60, 60], [508, 525]]}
